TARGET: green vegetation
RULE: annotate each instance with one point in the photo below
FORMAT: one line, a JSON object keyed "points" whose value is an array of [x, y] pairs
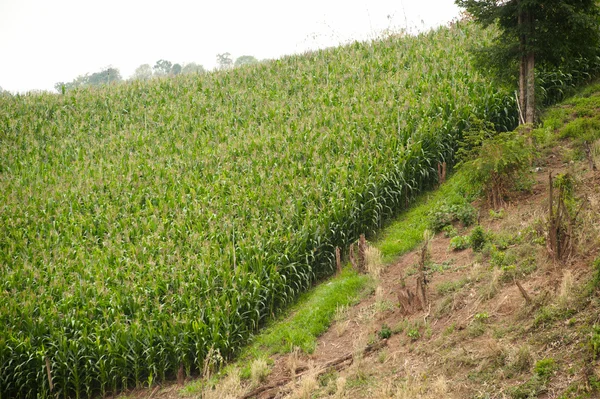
{"points": [[310, 317], [499, 167], [385, 332], [458, 243], [148, 224], [149, 229], [477, 238], [438, 208]]}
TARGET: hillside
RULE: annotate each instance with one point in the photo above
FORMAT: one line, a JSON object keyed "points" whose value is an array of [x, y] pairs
{"points": [[481, 335], [148, 227]]}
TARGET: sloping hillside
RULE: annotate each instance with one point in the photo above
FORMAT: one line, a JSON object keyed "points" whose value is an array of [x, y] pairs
{"points": [[148, 226], [504, 321]]}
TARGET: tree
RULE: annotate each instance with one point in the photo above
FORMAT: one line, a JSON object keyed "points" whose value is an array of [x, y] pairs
{"points": [[162, 67], [245, 60], [224, 60], [547, 32], [192, 67], [106, 76], [143, 72], [176, 69]]}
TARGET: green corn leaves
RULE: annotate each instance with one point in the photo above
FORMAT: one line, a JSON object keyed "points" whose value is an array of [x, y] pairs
{"points": [[118, 203]]}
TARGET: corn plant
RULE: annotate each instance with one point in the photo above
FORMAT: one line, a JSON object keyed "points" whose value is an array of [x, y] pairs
{"points": [[148, 227]]}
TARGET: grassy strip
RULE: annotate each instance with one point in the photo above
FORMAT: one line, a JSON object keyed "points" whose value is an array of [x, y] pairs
{"points": [[310, 317], [406, 232]]}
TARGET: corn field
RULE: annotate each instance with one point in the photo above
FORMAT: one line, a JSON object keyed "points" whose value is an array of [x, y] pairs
{"points": [[148, 229]]}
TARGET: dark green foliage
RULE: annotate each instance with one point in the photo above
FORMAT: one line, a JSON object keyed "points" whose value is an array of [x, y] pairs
{"points": [[477, 238], [562, 34], [385, 332]]}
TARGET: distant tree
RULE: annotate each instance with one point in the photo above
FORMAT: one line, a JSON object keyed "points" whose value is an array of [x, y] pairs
{"points": [[547, 32], [107, 76], [79, 81], [192, 67], [245, 60], [176, 69], [162, 67], [224, 60], [143, 72]]}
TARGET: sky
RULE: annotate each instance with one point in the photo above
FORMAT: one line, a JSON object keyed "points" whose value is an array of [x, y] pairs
{"points": [[43, 42]]}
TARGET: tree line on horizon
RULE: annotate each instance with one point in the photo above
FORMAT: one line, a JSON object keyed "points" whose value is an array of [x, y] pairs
{"points": [[161, 68]]}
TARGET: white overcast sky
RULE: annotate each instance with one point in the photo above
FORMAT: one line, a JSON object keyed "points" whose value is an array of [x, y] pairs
{"points": [[46, 41]]}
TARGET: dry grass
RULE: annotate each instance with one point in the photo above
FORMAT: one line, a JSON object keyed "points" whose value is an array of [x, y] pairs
{"points": [[259, 370], [229, 387], [565, 295], [307, 385], [340, 387], [292, 361], [417, 386], [341, 320], [374, 262], [490, 289]]}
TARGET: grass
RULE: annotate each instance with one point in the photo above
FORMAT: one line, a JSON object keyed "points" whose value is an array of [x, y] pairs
{"points": [[311, 316], [407, 231]]}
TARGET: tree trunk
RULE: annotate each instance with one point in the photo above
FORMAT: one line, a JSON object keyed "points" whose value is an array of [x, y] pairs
{"points": [[522, 72], [530, 113]]}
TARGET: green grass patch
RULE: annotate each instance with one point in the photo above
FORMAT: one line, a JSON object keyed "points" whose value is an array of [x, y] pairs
{"points": [[310, 316], [406, 232]]}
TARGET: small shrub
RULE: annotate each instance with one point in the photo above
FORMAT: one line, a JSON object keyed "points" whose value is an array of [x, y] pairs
{"points": [[459, 243], [477, 238], [450, 231], [413, 334], [500, 166], [446, 214], [594, 342], [545, 367], [385, 332]]}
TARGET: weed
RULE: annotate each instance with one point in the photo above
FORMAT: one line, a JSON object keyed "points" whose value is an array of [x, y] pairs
{"points": [[444, 215], [413, 334], [496, 215], [481, 317], [544, 368], [459, 243], [594, 342], [385, 332], [522, 360], [447, 287], [450, 231], [477, 238]]}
